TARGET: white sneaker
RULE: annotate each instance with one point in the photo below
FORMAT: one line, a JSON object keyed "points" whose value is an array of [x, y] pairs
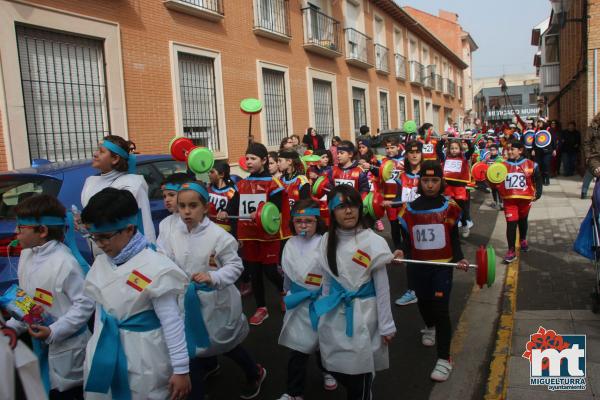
{"points": [[428, 338], [470, 223], [441, 371], [286, 396], [329, 382], [465, 231]]}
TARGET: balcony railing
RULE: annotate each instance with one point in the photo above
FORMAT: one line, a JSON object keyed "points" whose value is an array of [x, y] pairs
{"points": [[549, 78], [272, 19], [416, 72], [207, 9], [439, 83], [449, 87], [401, 65], [429, 77], [460, 92], [359, 50], [382, 63], [321, 33]]}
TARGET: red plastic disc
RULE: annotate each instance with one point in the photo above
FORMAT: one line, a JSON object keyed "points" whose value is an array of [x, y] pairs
{"points": [[242, 163], [180, 147], [478, 171]]}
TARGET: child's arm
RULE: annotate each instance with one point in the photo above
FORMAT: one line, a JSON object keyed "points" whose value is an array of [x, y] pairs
{"points": [[231, 264], [539, 181], [384, 309]]}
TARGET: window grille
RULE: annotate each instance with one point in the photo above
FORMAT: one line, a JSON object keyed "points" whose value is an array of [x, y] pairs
{"points": [[402, 110], [360, 109], [275, 108], [323, 106], [384, 123]]}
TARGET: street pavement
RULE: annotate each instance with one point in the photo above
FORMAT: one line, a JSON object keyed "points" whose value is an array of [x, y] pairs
{"points": [[410, 362]]}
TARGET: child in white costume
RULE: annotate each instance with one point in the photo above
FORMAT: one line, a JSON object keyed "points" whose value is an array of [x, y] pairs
{"points": [[138, 348], [356, 323], [303, 277], [169, 189], [215, 323], [116, 167], [49, 273]]}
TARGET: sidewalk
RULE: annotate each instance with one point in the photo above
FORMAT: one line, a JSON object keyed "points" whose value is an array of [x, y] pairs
{"points": [[553, 285]]}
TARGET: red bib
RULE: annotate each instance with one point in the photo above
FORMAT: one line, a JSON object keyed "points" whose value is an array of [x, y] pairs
{"points": [[519, 182], [457, 169], [218, 200]]}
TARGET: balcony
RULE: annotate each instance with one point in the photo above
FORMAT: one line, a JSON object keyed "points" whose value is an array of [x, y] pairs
{"points": [[321, 33], [439, 83], [272, 19], [549, 78], [449, 87], [429, 77], [211, 10], [359, 50], [460, 92], [416, 72], [401, 65], [382, 63]]}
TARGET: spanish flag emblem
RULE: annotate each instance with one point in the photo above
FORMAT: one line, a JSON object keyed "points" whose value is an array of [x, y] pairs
{"points": [[43, 297], [211, 261], [138, 281], [314, 279], [362, 258]]}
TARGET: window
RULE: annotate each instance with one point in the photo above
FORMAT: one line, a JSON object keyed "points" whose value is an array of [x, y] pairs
{"points": [[64, 93], [275, 106], [359, 108], [273, 16], [533, 99], [379, 30], [401, 110], [417, 112], [323, 108], [498, 102], [384, 118], [398, 42], [551, 49], [199, 100], [436, 118]]}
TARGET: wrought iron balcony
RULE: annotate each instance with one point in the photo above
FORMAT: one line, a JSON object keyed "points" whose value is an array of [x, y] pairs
{"points": [[382, 63], [321, 33], [359, 50], [460, 93], [211, 10], [401, 65], [439, 83], [416, 72], [272, 19], [549, 78], [429, 77], [449, 87]]}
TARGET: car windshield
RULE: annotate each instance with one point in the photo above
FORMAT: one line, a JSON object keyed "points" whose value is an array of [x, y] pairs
{"points": [[14, 190]]}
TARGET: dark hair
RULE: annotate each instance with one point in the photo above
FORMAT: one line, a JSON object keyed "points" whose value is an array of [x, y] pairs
{"points": [[297, 137], [304, 204], [109, 206], [424, 128], [494, 145], [224, 169], [368, 156], [432, 164], [364, 129], [392, 141], [329, 158], [126, 145], [349, 144], [350, 195], [284, 142], [177, 178], [517, 144], [455, 141], [336, 138], [40, 205], [274, 155], [309, 130]]}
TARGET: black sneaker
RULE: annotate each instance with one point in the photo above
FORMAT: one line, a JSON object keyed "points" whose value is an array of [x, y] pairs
{"points": [[212, 372], [252, 389]]}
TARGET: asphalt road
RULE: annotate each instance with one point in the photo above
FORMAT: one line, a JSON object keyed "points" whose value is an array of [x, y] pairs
{"points": [[410, 362]]}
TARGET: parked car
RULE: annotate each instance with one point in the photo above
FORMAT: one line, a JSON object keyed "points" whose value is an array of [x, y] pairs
{"points": [[378, 142], [65, 181]]}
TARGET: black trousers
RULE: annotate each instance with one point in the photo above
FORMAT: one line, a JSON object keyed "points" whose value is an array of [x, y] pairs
{"points": [[258, 285], [75, 393], [296, 379], [358, 387]]}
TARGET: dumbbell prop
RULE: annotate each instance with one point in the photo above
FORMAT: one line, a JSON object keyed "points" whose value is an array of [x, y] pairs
{"points": [[199, 159], [373, 205], [267, 217], [486, 265], [250, 106]]}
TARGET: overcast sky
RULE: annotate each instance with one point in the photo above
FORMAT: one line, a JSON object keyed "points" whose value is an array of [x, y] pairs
{"points": [[501, 29]]}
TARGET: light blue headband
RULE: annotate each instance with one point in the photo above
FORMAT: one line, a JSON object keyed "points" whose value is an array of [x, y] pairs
{"points": [[307, 212], [44, 220], [201, 190], [114, 148], [171, 186], [333, 203], [114, 226]]}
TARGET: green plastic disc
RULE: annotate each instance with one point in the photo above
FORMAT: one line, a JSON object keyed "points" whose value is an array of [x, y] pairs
{"points": [[496, 173], [410, 126], [251, 106], [491, 272], [200, 160], [270, 218], [368, 204], [311, 158], [317, 184]]}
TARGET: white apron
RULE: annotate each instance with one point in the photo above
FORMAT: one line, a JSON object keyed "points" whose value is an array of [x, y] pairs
{"points": [[136, 184], [148, 362], [209, 248], [165, 227], [364, 351], [300, 264], [44, 285]]}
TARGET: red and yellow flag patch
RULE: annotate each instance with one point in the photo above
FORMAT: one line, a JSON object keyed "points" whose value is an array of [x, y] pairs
{"points": [[362, 258], [138, 281], [43, 297], [211, 261], [314, 279]]}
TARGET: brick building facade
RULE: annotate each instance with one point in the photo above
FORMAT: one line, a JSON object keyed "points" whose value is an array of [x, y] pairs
{"points": [[72, 72]]}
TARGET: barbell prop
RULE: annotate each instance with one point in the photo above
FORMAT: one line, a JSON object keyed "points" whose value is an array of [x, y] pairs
{"points": [[486, 265], [250, 107], [199, 159], [267, 218]]}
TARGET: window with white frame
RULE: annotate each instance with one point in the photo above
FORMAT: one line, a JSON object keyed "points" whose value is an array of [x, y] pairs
{"points": [[323, 108], [417, 111], [401, 110], [359, 108], [398, 42], [64, 93], [384, 116], [275, 106]]}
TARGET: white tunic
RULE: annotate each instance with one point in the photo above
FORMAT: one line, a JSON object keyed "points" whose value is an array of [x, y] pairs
{"points": [[209, 248], [165, 227], [365, 351], [136, 184], [52, 277], [300, 265], [147, 355]]}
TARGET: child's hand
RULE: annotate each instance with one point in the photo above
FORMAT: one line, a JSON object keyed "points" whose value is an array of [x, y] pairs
{"points": [[388, 338], [222, 215], [398, 254], [40, 332], [180, 386], [202, 277], [387, 203], [252, 215], [463, 264]]}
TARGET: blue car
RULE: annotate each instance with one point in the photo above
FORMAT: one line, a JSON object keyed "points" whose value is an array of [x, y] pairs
{"points": [[65, 181]]}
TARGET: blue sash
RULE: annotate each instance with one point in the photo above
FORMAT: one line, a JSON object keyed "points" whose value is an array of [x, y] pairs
{"points": [[300, 294], [339, 294], [109, 364], [196, 334], [40, 349]]}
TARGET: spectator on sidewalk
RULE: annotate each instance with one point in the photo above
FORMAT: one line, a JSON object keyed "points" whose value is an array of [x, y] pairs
{"points": [[569, 148], [312, 140], [591, 153], [543, 157]]}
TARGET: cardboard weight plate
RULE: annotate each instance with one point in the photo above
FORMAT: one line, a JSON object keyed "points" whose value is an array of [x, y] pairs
{"points": [[269, 217], [409, 126], [179, 147], [481, 278], [251, 106], [311, 158], [377, 205], [528, 139], [491, 266], [387, 170], [543, 138], [478, 171], [368, 204], [317, 189], [200, 160], [242, 163], [496, 173]]}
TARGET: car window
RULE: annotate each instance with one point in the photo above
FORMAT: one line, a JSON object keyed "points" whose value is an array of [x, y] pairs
{"points": [[15, 190], [155, 172]]}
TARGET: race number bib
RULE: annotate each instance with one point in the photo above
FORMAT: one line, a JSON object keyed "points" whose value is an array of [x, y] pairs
{"points": [[428, 148], [396, 174], [292, 202], [515, 181], [453, 166], [349, 182], [220, 202], [429, 237], [249, 203], [409, 194], [371, 187]]}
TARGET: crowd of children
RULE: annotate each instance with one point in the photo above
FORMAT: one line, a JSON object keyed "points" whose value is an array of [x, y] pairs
{"points": [[180, 294]]}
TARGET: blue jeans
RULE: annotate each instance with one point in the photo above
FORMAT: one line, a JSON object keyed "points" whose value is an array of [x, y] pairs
{"points": [[569, 160]]}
